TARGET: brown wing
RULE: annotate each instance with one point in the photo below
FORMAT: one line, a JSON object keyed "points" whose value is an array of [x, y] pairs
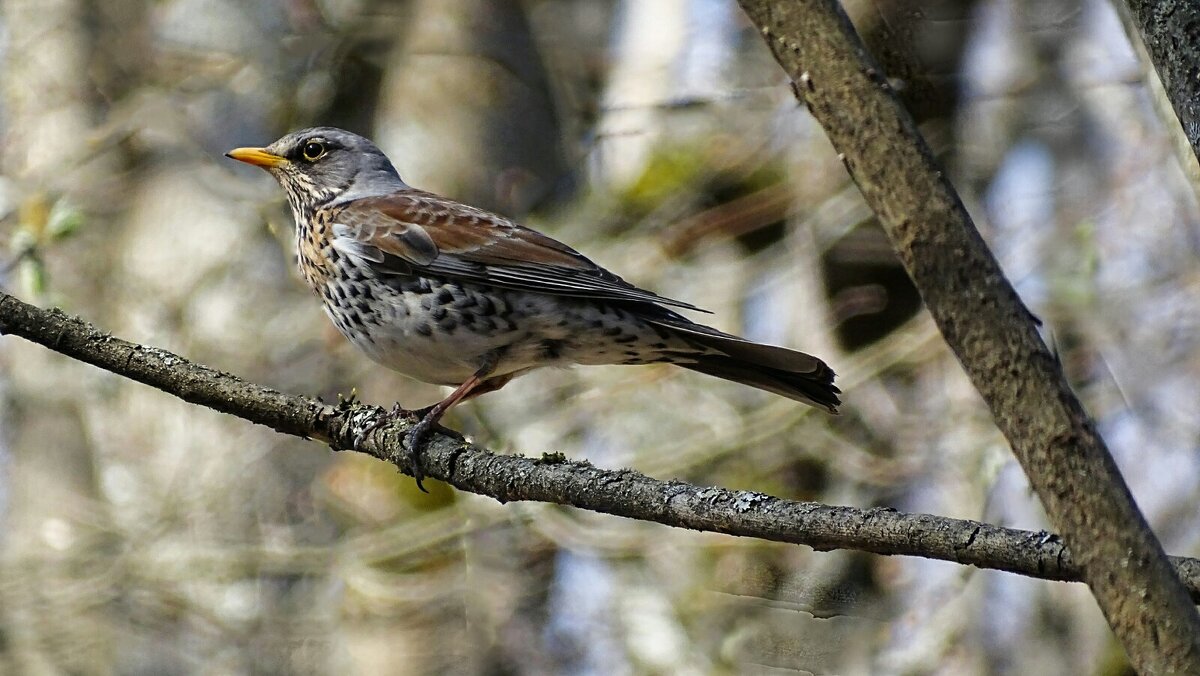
{"points": [[415, 231]]}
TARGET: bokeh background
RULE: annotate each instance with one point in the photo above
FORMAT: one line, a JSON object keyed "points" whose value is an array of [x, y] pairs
{"points": [[142, 535]]}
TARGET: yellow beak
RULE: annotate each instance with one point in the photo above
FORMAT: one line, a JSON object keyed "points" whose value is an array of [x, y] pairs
{"points": [[259, 157]]}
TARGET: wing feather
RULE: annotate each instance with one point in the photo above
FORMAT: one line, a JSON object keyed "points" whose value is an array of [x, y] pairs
{"points": [[415, 231]]}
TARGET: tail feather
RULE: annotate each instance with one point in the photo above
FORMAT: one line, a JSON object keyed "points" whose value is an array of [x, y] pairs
{"points": [[785, 372], [815, 389]]}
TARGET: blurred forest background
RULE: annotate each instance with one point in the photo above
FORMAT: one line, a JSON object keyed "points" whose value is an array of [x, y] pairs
{"points": [[142, 535]]}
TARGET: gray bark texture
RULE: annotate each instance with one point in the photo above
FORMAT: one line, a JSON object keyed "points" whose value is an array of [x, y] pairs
{"points": [[1170, 30], [988, 327], [555, 479]]}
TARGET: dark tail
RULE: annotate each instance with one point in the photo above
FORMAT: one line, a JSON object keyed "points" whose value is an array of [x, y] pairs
{"points": [[785, 372], [814, 387]]}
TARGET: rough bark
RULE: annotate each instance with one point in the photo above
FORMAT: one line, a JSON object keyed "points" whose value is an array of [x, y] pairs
{"points": [[553, 478], [992, 333], [1170, 31]]}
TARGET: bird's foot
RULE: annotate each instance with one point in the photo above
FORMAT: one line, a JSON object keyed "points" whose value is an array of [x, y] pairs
{"points": [[418, 436], [414, 442], [418, 414], [424, 420]]}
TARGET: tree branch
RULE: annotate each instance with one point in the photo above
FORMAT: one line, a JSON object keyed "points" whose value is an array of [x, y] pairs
{"points": [[989, 329], [1170, 30], [1168, 43], [554, 479]]}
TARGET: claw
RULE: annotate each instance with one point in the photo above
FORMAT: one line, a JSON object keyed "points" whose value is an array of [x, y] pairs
{"points": [[426, 418], [413, 442]]}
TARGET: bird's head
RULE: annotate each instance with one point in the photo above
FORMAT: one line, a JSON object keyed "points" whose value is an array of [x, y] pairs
{"points": [[324, 165]]}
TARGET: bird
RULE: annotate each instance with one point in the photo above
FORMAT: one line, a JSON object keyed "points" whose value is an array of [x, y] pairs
{"points": [[453, 295]]}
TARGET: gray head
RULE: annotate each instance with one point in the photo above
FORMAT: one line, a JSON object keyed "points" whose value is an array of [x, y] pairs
{"points": [[324, 165]]}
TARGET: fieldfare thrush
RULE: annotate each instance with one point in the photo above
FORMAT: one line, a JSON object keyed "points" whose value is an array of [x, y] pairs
{"points": [[453, 295]]}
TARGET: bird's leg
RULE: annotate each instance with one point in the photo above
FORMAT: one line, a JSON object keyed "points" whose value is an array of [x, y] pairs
{"points": [[477, 384], [489, 385]]}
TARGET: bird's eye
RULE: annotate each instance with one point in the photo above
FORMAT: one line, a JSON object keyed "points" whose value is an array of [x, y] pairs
{"points": [[313, 150]]}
